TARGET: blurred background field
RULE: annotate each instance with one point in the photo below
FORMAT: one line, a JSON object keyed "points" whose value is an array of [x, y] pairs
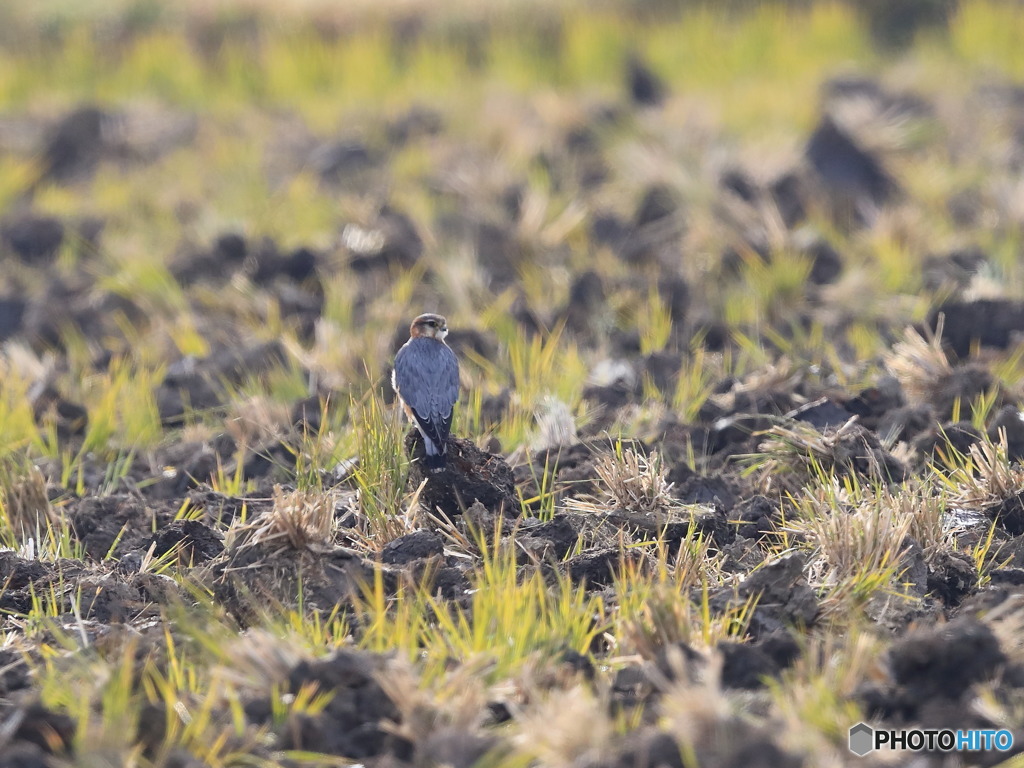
{"points": [[738, 294], [300, 122]]}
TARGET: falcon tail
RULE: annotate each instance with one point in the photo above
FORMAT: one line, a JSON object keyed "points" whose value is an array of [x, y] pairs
{"points": [[434, 458], [435, 463]]}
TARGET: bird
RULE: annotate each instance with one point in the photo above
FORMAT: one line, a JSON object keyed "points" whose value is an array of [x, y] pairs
{"points": [[426, 379]]}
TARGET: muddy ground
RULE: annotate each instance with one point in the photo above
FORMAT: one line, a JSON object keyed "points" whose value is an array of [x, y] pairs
{"points": [[730, 476]]}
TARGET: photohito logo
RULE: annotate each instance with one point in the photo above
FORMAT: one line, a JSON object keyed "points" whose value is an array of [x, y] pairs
{"points": [[865, 739]]}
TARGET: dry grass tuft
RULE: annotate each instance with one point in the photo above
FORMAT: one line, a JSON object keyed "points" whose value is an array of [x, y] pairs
{"points": [[926, 512], [663, 598], [260, 659], [987, 476], [24, 505], [457, 700], [858, 541], [634, 482], [919, 363], [796, 454], [256, 420], [815, 697], [371, 534], [301, 520], [696, 709], [566, 727]]}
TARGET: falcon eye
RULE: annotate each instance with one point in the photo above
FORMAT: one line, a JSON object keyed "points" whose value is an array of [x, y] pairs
{"points": [[431, 323]]}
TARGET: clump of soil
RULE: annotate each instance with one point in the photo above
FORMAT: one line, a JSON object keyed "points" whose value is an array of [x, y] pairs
{"points": [[357, 723], [469, 476]]}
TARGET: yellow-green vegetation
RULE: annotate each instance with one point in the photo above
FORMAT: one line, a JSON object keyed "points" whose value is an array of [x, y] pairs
{"points": [[205, 499]]}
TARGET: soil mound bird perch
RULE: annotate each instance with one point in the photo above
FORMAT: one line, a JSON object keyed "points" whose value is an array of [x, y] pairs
{"points": [[426, 380]]}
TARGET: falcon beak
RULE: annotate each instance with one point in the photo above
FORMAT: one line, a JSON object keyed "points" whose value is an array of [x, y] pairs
{"points": [[442, 332]]}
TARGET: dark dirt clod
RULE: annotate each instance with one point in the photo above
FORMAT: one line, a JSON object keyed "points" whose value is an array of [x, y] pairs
{"points": [[470, 475], [855, 180], [988, 322], [951, 576], [1008, 421], [762, 753], [418, 122], [413, 546], [307, 414], [658, 204], [226, 258], [711, 490], [221, 510], [939, 663], [750, 665], [33, 239], [674, 525], [872, 404], [455, 747], [562, 533], [301, 305], [860, 451], [608, 229], [52, 732], [354, 722], [117, 523], [739, 182], [249, 577], [662, 368], [611, 397], [14, 673], [586, 298], [894, 27], [185, 392], [789, 194], [194, 541], [649, 749], [75, 145], [645, 88], [745, 666], [821, 414], [499, 251], [631, 687], [905, 422], [755, 517], [468, 341], [1006, 577], [962, 389], [23, 754], [826, 263], [784, 600], [335, 161], [450, 582], [594, 568], [51, 409], [1008, 514], [269, 462], [401, 244], [12, 313], [952, 272], [950, 437], [109, 598], [18, 573]]}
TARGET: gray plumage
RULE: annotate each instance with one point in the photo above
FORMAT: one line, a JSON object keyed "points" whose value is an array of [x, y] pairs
{"points": [[426, 378]]}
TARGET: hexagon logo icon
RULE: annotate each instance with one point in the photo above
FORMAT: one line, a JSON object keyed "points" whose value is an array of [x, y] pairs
{"points": [[861, 739]]}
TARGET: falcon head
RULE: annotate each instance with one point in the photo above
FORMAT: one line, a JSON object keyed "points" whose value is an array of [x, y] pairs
{"points": [[429, 326]]}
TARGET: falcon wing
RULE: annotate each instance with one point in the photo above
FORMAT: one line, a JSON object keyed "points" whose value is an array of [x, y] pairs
{"points": [[427, 380]]}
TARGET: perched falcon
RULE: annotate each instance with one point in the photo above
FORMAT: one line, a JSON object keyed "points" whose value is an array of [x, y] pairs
{"points": [[426, 380]]}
